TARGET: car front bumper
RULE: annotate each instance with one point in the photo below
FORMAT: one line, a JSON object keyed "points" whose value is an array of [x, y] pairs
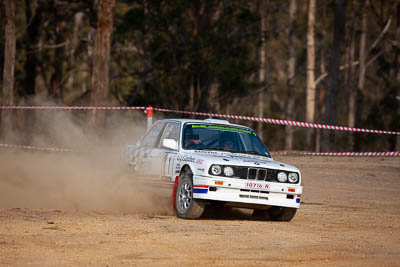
{"points": [[247, 191]]}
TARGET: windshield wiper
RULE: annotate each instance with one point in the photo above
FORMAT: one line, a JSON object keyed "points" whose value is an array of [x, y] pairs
{"points": [[252, 153], [211, 148], [232, 151], [217, 149]]}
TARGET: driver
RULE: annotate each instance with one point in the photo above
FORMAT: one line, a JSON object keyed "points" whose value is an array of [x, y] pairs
{"points": [[226, 141], [192, 141], [228, 145]]}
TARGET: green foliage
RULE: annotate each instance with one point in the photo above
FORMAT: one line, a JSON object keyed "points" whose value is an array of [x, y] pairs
{"points": [[205, 55], [178, 41]]}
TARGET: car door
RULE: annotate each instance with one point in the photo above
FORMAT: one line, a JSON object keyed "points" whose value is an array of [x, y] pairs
{"points": [[161, 155], [148, 144]]}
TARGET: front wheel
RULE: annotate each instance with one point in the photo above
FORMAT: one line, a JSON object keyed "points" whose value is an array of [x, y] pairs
{"points": [[186, 207], [279, 214], [282, 214]]}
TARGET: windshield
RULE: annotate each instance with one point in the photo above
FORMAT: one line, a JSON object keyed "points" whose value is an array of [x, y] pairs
{"points": [[223, 137]]}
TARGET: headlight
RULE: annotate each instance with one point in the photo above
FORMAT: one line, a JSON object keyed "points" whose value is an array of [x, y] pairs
{"points": [[293, 177], [282, 177], [228, 171], [216, 169]]}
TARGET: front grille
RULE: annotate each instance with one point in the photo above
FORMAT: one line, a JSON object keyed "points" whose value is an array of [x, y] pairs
{"points": [[256, 174], [252, 173]]}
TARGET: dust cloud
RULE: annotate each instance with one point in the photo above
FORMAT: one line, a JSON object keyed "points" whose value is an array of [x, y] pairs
{"points": [[92, 177]]}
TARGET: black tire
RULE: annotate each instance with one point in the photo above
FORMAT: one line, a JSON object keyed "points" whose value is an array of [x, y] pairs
{"points": [[282, 214], [261, 215], [186, 207], [278, 214]]}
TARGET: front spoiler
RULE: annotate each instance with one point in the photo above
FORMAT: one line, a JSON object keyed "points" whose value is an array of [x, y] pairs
{"points": [[234, 190]]}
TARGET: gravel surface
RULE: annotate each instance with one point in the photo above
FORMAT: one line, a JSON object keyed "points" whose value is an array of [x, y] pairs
{"points": [[350, 215]]}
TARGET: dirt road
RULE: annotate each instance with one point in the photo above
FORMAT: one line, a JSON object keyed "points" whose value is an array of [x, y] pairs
{"points": [[350, 215]]}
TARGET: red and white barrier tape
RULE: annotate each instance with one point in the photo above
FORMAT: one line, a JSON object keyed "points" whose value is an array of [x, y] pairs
{"points": [[238, 117], [72, 108], [279, 153], [344, 154], [50, 149], [281, 122]]}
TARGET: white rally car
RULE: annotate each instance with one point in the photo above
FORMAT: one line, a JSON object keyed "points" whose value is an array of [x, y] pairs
{"points": [[213, 162]]}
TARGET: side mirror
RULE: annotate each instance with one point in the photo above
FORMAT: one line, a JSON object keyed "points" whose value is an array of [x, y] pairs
{"points": [[170, 143]]}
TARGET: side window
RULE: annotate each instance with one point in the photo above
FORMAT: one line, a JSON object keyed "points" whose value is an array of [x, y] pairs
{"points": [[152, 136], [171, 131]]}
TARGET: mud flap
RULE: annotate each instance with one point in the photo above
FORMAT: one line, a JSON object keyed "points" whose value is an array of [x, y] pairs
{"points": [[174, 192]]}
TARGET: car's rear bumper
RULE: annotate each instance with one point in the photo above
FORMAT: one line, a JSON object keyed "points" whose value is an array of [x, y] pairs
{"points": [[240, 191]]}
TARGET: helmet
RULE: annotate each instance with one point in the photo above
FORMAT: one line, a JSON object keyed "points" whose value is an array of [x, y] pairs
{"points": [[227, 140]]}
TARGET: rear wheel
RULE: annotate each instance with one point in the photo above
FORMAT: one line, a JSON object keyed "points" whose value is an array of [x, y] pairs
{"points": [[186, 207]]}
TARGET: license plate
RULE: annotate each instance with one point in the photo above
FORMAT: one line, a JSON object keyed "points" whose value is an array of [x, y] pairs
{"points": [[255, 185]]}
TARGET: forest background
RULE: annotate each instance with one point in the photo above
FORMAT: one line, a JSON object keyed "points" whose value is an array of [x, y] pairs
{"points": [[333, 62]]}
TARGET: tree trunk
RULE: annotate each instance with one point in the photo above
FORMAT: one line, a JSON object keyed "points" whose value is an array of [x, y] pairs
{"points": [[56, 86], [310, 91], [191, 93], [73, 76], [320, 104], [213, 98], [7, 121], [350, 85], [334, 78], [397, 71], [33, 15], [100, 60], [31, 40], [262, 71], [361, 80], [291, 75], [351, 77]]}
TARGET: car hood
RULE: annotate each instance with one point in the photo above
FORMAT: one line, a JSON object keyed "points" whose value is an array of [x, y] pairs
{"points": [[206, 158]]}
